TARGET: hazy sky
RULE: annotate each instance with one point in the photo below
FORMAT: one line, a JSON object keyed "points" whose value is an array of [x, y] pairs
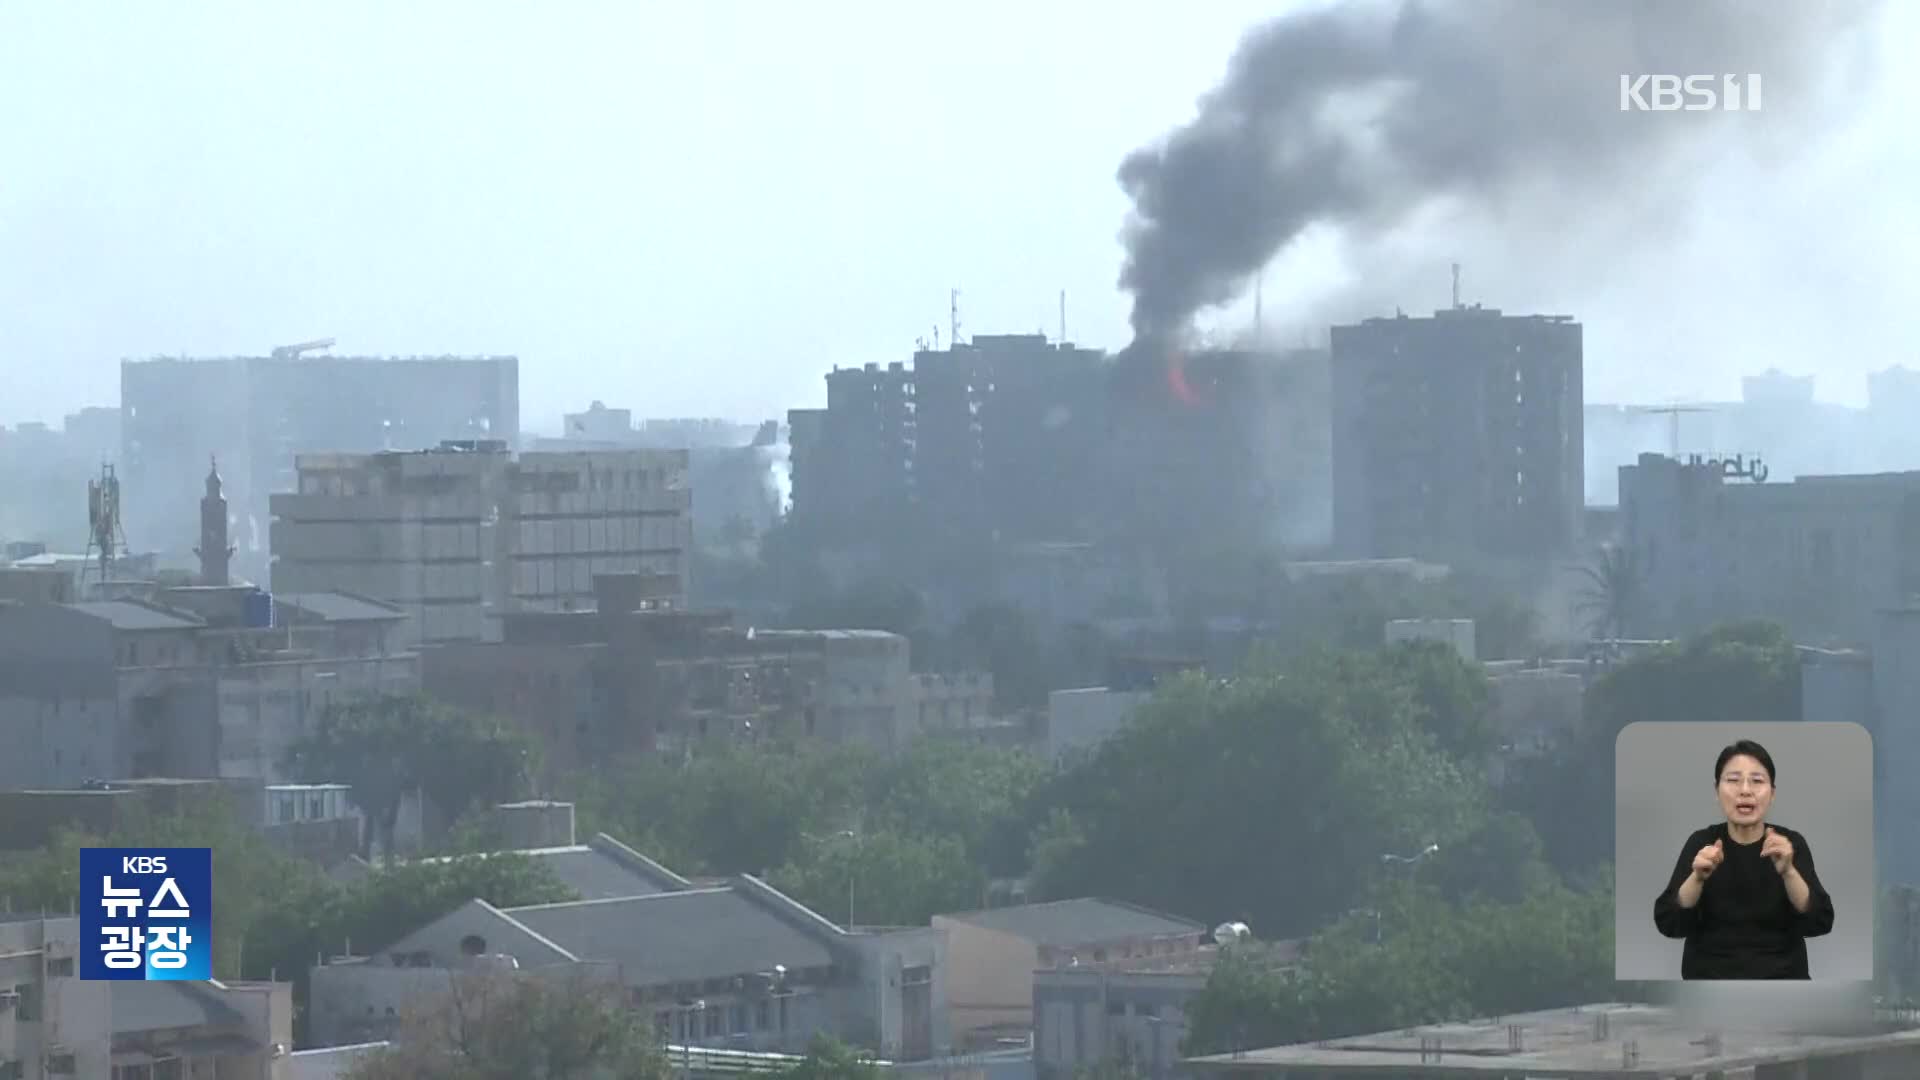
{"points": [[698, 209]]}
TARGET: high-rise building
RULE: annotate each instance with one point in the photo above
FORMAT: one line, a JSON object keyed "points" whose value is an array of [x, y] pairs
{"points": [[460, 534], [1458, 436], [1008, 430], [858, 458], [256, 413]]}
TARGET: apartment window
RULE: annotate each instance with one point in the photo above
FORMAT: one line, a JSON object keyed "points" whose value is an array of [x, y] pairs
{"points": [[762, 1015], [61, 1065], [28, 1010], [715, 1020], [14, 1070], [738, 1016], [60, 967]]}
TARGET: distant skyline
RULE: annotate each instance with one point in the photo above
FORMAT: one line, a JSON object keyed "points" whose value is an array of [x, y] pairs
{"points": [[699, 211]]}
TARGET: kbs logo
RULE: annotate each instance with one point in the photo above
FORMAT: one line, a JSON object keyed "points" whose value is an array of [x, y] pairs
{"points": [[1689, 93], [146, 913]]}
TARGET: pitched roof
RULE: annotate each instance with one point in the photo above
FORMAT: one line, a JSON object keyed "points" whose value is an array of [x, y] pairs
{"points": [[164, 1006], [340, 607], [676, 936], [593, 874], [131, 615], [1073, 923]]}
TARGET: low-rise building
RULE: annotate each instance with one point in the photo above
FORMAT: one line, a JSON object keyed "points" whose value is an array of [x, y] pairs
{"points": [[184, 682], [734, 965], [1080, 720], [993, 954], [1128, 1012], [51, 1023], [1600, 1040], [1878, 688], [619, 679]]}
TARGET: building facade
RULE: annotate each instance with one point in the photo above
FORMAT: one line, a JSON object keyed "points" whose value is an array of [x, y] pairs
{"points": [[51, 1023], [1821, 554], [1458, 437], [192, 682], [256, 414], [461, 535]]}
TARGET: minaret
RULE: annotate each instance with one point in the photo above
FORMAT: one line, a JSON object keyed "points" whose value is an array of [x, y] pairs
{"points": [[214, 551]]}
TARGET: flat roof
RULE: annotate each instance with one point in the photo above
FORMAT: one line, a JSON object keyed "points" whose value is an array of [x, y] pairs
{"points": [[1642, 1042]]}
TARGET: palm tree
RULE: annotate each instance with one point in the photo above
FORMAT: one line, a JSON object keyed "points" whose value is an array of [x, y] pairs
{"points": [[1611, 597]]}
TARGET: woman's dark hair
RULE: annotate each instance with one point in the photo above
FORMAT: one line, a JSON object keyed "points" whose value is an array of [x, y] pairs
{"points": [[1751, 749]]}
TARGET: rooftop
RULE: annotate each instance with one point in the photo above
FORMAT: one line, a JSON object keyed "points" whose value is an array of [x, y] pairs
{"points": [[164, 1006], [676, 936], [133, 615], [336, 607], [1610, 1040], [601, 869], [1073, 923]]}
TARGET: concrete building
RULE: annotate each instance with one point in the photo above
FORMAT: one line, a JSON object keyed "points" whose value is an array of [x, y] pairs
{"points": [[992, 955], [1458, 436], [51, 1023], [1218, 448], [1602, 1040], [191, 682], [853, 462], [1879, 689], [1820, 554], [255, 414], [1128, 1012], [163, 1030], [1080, 721], [735, 965], [460, 535], [1008, 431], [596, 685]]}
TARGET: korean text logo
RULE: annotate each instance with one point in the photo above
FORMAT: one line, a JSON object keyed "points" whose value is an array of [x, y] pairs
{"points": [[146, 913], [1691, 93]]}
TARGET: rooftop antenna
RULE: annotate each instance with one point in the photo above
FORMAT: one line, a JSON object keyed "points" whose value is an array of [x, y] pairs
{"points": [[104, 534], [953, 312], [1456, 286], [936, 337], [1063, 316]]}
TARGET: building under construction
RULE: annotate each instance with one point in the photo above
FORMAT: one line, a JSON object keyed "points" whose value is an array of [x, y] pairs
{"points": [[254, 413]]}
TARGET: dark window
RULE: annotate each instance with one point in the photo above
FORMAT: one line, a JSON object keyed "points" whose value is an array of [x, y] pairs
{"points": [[61, 967]]}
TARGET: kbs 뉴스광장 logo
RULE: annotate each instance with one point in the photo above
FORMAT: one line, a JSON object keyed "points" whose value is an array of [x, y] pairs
{"points": [[146, 913]]}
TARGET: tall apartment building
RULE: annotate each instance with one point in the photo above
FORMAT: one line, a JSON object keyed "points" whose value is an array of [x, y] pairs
{"points": [[459, 535], [255, 414], [1458, 436], [1219, 447], [865, 457], [1008, 433]]}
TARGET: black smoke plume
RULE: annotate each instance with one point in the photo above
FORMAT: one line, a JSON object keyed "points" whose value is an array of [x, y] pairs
{"points": [[1360, 115]]}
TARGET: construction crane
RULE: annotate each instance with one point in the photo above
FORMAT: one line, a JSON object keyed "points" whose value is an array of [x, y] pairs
{"points": [[1672, 413], [292, 352]]}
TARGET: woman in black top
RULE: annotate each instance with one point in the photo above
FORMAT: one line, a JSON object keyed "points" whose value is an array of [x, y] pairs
{"points": [[1744, 893]]}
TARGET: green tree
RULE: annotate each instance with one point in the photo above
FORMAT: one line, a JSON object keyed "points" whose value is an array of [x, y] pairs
{"points": [[501, 1027], [1413, 958], [248, 874], [830, 1059], [884, 878], [1738, 673], [1610, 597], [1324, 756], [388, 747]]}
